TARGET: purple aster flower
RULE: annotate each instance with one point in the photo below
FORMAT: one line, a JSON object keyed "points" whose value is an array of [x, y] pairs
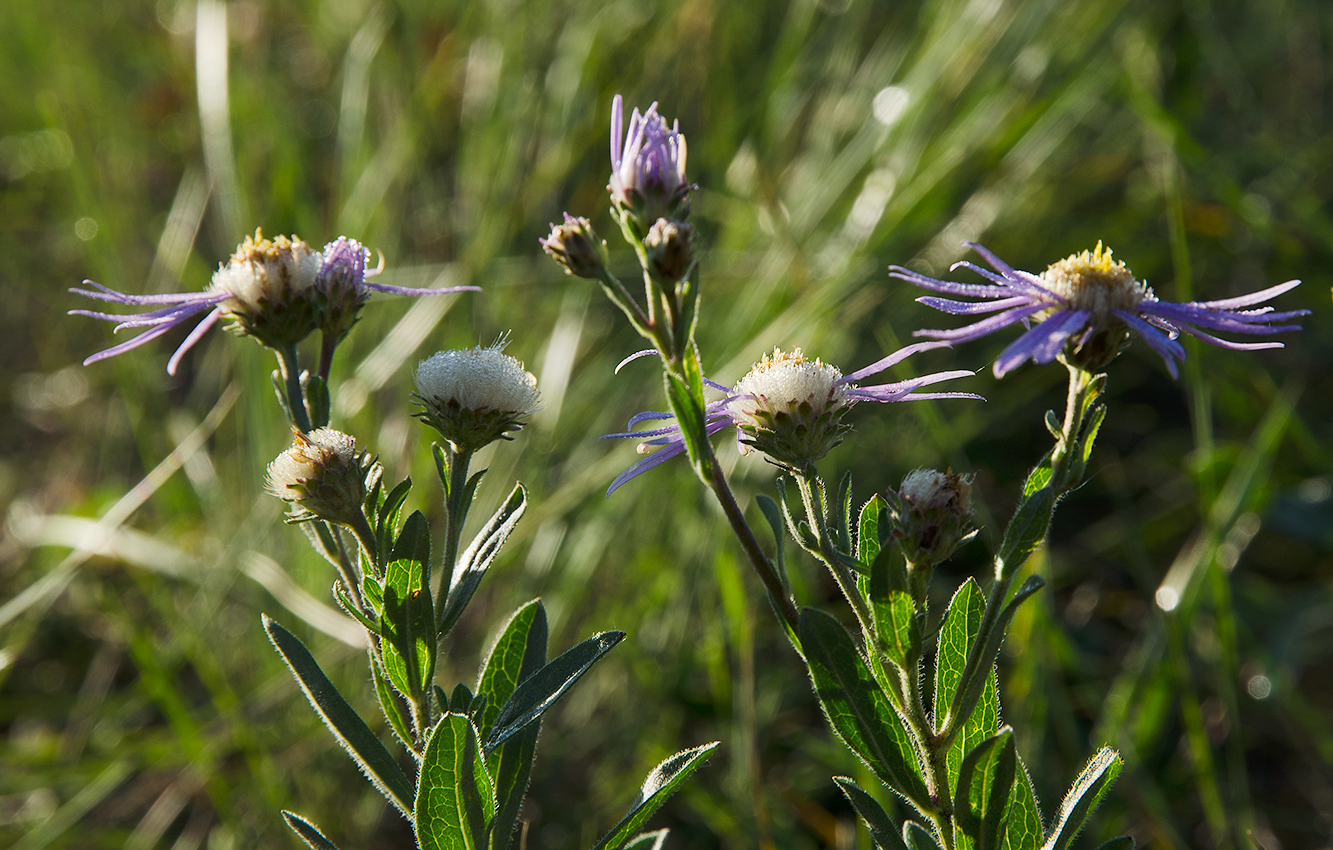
{"points": [[647, 165], [278, 291], [788, 407], [1084, 307]]}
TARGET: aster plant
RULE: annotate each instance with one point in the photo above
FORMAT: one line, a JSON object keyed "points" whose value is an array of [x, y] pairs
{"points": [[941, 750], [469, 748]]}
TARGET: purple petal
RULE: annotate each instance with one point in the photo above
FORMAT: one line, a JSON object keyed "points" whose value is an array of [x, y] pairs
{"points": [[617, 124], [972, 308], [1226, 343], [404, 290], [1253, 298], [972, 290], [985, 326], [892, 360], [194, 336], [107, 294], [129, 344], [996, 263], [1166, 347], [1042, 342], [657, 458], [635, 356]]}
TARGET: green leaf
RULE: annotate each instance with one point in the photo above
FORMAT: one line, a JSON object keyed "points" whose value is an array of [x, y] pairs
{"points": [[519, 652], [454, 797], [983, 722], [350, 608], [957, 634], [897, 630], [386, 514], [841, 513], [460, 701], [1028, 528], [539, 692], [662, 782], [856, 707], [917, 837], [867, 537], [1025, 829], [687, 405], [308, 832], [373, 592], [648, 840], [408, 623], [478, 557], [1124, 842], [773, 514], [350, 730], [389, 704], [1083, 798], [982, 799], [882, 831]]}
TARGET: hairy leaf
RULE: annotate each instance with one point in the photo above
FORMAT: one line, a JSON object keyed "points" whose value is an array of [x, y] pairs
{"points": [[882, 831], [1083, 798], [454, 797], [982, 799], [662, 782], [473, 563]]}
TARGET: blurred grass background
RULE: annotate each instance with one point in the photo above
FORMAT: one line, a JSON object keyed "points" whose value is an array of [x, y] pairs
{"points": [[1189, 616]]}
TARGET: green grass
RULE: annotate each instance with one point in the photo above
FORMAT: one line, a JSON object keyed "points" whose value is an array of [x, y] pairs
{"points": [[140, 702]]}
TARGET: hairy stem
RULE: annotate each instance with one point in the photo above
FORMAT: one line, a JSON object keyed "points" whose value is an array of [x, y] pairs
{"points": [[455, 515], [291, 376]]}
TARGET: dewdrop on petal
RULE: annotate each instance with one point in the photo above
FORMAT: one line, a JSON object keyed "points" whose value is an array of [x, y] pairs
{"points": [[323, 475], [931, 515], [475, 396], [791, 408]]}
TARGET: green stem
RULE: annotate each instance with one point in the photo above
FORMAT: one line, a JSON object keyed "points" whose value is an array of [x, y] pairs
{"points": [[334, 550], [455, 516], [291, 376], [815, 500], [365, 535]]}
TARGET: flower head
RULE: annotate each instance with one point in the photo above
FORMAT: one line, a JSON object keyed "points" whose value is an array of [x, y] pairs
{"points": [[278, 291], [789, 407], [668, 248], [647, 166], [323, 475], [474, 396], [1084, 307], [931, 515], [575, 246]]}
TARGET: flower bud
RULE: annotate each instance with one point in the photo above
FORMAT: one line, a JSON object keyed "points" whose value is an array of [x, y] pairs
{"points": [[669, 249], [267, 281], [791, 408], [475, 396], [931, 515], [647, 167], [575, 246], [323, 475], [339, 291]]}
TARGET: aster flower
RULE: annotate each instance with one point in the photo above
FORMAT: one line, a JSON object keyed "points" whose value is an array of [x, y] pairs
{"points": [[323, 475], [277, 291], [647, 165], [1084, 307], [788, 406], [475, 396]]}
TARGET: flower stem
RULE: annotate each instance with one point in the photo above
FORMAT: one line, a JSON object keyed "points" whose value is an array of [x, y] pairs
{"points": [[291, 376], [815, 499], [365, 535], [455, 515]]}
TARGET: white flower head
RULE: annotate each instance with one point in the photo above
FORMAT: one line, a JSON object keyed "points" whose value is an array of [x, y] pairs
{"points": [[474, 396], [931, 515], [323, 474], [790, 408], [266, 283]]}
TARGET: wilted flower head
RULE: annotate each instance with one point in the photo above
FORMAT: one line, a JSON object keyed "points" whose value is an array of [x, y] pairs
{"points": [[647, 165], [278, 291], [323, 475], [575, 246], [1084, 308], [931, 515], [474, 396], [788, 407]]}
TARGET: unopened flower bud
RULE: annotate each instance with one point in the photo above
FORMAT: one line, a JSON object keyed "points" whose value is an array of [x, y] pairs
{"points": [[669, 249], [931, 515], [323, 475], [647, 167], [339, 291], [475, 396], [267, 281], [575, 246], [791, 408]]}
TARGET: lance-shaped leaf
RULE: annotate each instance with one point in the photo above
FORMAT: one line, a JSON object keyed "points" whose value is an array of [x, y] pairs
{"points": [[773, 514], [308, 832], [1025, 829], [350, 730], [1083, 799], [664, 781], [957, 634], [519, 652], [882, 831], [856, 707], [408, 624], [478, 557], [648, 840], [455, 801], [386, 515], [867, 536], [982, 800], [1031, 520], [917, 837], [540, 691], [897, 630]]}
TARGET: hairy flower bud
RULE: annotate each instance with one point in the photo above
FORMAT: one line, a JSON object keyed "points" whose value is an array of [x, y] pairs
{"points": [[475, 396], [669, 249], [575, 246], [791, 408], [931, 515], [323, 475], [647, 167], [266, 282]]}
